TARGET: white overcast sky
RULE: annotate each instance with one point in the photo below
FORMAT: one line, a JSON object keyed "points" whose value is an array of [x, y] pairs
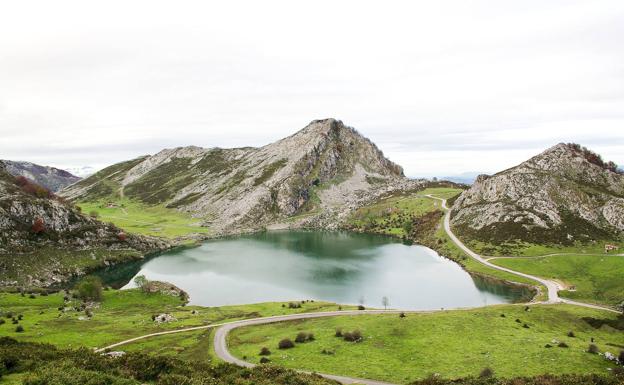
{"points": [[443, 87]]}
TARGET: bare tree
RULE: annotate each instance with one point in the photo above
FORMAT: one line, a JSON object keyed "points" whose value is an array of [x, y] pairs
{"points": [[385, 302]]}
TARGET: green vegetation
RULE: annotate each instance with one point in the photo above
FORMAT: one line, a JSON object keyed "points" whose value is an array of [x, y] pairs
{"points": [[395, 215], [37, 263], [136, 217], [89, 289], [593, 278], [121, 315], [454, 344], [526, 249], [269, 170], [41, 364]]}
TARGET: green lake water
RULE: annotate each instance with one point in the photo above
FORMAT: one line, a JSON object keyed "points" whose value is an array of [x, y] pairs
{"points": [[341, 267]]}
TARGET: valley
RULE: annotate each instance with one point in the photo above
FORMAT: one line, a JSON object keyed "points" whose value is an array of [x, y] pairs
{"points": [[322, 240]]}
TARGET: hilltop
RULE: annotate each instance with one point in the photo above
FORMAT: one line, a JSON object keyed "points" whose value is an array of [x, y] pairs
{"points": [[52, 178], [565, 195], [313, 178]]}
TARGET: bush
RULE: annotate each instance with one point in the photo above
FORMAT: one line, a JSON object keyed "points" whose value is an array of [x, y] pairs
{"points": [[19, 329], [304, 337], [563, 345], [93, 214], [38, 226], [486, 373], [402, 315], [286, 343], [571, 334], [621, 357], [294, 305], [593, 349], [32, 296], [2, 321], [90, 289], [265, 351], [264, 360], [338, 333], [354, 336]]}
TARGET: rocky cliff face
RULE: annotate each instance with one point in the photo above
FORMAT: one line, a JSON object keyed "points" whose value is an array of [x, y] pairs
{"points": [[30, 223], [565, 194], [51, 178], [322, 171]]}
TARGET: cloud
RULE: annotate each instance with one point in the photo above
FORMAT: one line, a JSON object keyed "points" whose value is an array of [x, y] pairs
{"points": [[441, 87]]}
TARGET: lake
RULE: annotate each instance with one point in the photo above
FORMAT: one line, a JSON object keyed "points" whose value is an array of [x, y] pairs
{"points": [[340, 267]]}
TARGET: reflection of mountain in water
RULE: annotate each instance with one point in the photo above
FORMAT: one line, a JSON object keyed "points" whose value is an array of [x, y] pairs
{"points": [[515, 293], [338, 267]]}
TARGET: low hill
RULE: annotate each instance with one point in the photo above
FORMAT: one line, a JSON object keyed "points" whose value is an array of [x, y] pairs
{"points": [[316, 175], [53, 179], [565, 195], [41, 236]]}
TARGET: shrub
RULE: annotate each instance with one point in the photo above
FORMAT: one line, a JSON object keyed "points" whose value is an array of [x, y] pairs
{"points": [[338, 333], [9, 314], [294, 305], [89, 313], [286, 343], [563, 345], [2, 321], [571, 334], [525, 326], [93, 214], [593, 349], [90, 289], [486, 373], [402, 315], [621, 357], [502, 316], [265, 351], [548, 346], [354, 336], [361, 307], [304, 337], [38, 226], [327, 352], [20, 317], [19, 329], [264, 360], [32, 296]]}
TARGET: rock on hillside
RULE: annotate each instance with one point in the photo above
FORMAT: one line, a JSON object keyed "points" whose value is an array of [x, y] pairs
{"points": [[51, 178], [31, 222], [565, 194], [322, 171]]}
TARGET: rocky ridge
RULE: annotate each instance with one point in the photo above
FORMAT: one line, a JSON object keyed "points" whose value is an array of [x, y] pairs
{"points": [[563, 195], [312, 178], [31, 223], [53, 179]]}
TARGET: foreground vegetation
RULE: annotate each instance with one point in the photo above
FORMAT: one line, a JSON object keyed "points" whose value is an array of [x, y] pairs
{"points": [[136, 217], [41, 364], [509, 339], [591, 278]]}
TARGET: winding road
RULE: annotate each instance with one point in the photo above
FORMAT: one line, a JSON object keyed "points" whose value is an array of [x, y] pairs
{"points": [[220, 337]]}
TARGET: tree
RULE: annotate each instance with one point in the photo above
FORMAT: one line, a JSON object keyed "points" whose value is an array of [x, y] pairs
{"points": [[90, 289], [385, 302], [141, 282]]}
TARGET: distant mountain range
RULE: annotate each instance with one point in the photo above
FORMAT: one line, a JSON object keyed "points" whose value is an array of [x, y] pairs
{"points": [[52, 178]]}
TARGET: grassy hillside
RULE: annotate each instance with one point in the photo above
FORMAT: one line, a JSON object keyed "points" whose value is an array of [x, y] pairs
{"points": [[451, 343], [593, 278], [122, 314], [136, 217]]}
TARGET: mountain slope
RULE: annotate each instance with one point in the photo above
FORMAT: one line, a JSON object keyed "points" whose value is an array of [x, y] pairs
{"points": [[39, 233], [51, 178], [563, 195], [322, 171]]}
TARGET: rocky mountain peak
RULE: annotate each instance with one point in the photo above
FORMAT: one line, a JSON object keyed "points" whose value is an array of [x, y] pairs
{"points": [[567, 190]]}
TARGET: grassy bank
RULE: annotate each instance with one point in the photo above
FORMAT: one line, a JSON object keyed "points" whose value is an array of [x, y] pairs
{"points": [[136, 217], [592, 278], [123, 314], [452, 343]]}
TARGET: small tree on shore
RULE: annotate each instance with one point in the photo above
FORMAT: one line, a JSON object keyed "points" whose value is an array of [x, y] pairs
{"points": [[385, 302], [90, 289], [141, 282]]}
